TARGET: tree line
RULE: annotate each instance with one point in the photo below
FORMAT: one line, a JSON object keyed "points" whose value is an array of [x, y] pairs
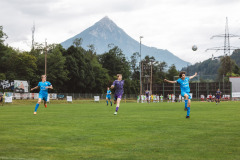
{"points": [[76, 70], [223, 66], [79, 70]]}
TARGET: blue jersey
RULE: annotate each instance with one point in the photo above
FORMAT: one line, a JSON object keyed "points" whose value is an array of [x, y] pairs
{"points": [[184, 84], [119, 87], [42, 86], [108, 93]]}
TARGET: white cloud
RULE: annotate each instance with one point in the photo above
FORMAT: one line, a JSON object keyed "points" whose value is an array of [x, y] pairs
{"points": [[174, 25]]}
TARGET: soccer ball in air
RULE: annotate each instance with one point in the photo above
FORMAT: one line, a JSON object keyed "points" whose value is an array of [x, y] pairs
{"points": [[194, 47]]}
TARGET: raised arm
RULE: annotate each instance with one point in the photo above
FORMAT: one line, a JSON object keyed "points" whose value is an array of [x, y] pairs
{"points": [[165, 80], [191, 77]]}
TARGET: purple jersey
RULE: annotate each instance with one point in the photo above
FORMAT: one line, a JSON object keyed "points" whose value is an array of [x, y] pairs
{"points": [[147, 94], [218, 93], [119, 87]]}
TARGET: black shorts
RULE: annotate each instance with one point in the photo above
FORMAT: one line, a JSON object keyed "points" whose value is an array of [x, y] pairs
{"points": [[1, 98]]}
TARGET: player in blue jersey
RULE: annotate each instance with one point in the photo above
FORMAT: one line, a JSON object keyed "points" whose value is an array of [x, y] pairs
{"points": [[185, 89], [218, 94], [118, 85], [108, 96], [43, 94]]}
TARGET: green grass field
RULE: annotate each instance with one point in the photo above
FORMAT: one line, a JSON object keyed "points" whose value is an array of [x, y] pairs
{"points": [[139, 131]]}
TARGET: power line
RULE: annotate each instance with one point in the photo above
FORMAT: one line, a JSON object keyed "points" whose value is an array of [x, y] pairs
{"points": [[227, 47]]}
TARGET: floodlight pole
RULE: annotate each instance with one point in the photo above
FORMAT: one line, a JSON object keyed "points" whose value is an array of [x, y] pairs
{"points": [[140, 66], [223, 84], [45, 56], [151, 78]]}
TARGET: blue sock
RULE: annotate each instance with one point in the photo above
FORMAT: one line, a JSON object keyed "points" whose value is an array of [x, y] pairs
{"points": [[111, 103], [37, 105], [188, 111], [107, 102], [186, 102]]}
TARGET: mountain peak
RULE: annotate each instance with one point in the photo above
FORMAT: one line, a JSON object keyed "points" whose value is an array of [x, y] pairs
{"points": [[106, 22], [106, 18], [105, 32]]}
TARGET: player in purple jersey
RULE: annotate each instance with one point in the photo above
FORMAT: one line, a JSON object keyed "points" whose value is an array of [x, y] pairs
{"points": [[118, 85], [218, 94], [147, 96]]}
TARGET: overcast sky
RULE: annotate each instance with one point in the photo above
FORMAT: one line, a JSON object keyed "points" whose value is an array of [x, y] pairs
{"points": [[174, 25]]}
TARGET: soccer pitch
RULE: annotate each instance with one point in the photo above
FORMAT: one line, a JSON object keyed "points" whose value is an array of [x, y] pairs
{"points": [[139, 131]]}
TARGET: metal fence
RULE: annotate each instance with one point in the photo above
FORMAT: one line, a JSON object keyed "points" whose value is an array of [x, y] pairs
{"points": [[75, 96], [91, 95], [197, 89]]}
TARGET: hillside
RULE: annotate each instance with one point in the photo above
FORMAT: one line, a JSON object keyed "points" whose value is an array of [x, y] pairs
{"points": [[106, 32], [210, 67]]}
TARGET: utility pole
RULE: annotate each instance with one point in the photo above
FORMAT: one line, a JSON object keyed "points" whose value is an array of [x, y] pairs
{"points": [[151, 78], [45, 56], [33, 30], [140, 66], [226, 48], [223, 84]]}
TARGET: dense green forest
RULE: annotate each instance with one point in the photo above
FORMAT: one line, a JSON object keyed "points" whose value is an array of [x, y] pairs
{"points": [[76, 70]]}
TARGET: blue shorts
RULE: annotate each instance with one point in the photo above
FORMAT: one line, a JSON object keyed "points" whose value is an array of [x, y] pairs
{"points": [[43, 96], [218, 97], [183, 93], [108, 97]]}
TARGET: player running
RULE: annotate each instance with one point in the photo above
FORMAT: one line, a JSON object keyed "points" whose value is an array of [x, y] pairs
{"points": [[118, 84], [147, 96], [185, 89], [108, 96], [43, 94], [218, 94]]}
